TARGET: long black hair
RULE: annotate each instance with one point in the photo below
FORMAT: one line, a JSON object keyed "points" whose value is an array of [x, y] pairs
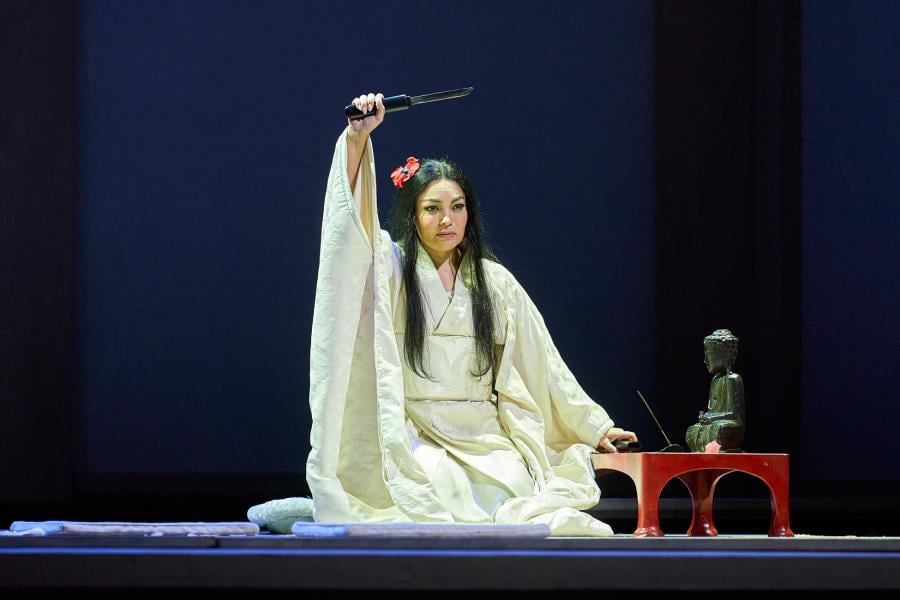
{"points": [[473, 245]]}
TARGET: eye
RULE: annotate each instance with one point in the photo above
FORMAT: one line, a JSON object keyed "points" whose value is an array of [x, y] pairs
{"points": [[459, 207], [430, 208]]}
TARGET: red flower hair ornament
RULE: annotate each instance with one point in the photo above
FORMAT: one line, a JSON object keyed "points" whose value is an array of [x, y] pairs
{"points": [[403, 173]]}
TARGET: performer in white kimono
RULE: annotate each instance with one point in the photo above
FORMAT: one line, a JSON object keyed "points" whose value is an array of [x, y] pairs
{"points": [[436, 392]]}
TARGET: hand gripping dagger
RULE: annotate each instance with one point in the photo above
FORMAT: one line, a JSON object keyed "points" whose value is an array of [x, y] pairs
{"points": [[402, 102]]}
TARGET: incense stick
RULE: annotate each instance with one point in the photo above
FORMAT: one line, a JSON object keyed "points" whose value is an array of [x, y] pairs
{"points": [[654, 417]]}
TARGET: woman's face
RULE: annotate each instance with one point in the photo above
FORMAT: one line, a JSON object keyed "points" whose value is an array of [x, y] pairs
{"points": [[441, 218]]}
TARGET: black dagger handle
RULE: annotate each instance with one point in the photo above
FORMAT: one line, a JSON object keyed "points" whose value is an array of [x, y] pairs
{"points": [[391, 104]]}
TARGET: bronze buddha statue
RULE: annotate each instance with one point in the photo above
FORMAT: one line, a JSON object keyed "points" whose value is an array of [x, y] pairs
{"points": [[723, 421]]}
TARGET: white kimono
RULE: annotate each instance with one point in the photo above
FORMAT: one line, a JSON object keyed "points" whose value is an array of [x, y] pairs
{"points": [[390, 446]]}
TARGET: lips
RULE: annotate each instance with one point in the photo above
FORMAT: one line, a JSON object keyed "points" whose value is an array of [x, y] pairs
{"points": [[447, 234]]}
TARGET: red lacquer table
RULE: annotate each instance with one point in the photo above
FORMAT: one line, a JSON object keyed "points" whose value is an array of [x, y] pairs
{"points": [[700, 472]]}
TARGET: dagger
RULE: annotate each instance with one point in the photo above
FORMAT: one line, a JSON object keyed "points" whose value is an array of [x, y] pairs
{"points": [[402, 102]]}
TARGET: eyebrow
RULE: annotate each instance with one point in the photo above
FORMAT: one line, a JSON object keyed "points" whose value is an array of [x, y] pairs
{"points": [[436, 201]]}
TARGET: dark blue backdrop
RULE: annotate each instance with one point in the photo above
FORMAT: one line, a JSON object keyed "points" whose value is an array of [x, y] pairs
{"points": [[851, 248], [205, 131]]}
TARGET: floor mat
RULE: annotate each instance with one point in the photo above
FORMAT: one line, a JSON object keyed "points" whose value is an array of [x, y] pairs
{"points": [[420, 530], [129, 528]]}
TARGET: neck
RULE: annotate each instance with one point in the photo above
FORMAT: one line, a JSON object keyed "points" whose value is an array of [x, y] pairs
{"points": [[439, 258]]}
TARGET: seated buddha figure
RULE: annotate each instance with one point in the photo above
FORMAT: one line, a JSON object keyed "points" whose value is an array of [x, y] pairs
{"points": [[723, 421]]}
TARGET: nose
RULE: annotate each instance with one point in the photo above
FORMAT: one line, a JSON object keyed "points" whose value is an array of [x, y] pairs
{"points": [[445, 218]]}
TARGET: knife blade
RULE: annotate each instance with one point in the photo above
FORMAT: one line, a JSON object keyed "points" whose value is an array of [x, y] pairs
{"points": [[402, 102]]}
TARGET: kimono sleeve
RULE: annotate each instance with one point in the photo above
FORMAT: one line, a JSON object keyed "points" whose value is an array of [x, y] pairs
{"points": [[532, 360]]}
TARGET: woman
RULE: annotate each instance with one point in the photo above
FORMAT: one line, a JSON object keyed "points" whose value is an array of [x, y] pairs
{"points": [[436, 392]]}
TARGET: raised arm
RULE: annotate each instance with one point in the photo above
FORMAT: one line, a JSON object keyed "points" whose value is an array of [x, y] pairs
{"points": [[358, 132]]}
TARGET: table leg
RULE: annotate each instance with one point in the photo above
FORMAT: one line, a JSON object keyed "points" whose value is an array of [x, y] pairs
{"points": [[701, 485], [649, 486], [778, 487]]}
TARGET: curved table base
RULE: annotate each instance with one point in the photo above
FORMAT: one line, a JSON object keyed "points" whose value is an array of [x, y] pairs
{"points": [[700, 472]]}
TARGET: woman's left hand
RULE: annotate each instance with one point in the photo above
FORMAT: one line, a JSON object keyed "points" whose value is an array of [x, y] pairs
{"points": [[615, 433]]}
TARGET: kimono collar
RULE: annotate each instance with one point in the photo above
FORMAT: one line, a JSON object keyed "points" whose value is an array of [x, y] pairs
{"points": [[439, 301], [426, 265]]}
